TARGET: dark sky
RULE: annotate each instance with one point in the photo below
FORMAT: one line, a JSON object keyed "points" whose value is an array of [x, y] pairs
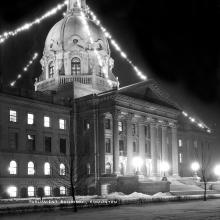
{"points": [[175, 42]]}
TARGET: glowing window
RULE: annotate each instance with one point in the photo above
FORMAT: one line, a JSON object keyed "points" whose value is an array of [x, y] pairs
{"points": [[30, 119], [180, 143], [13, 116], [12, 191], [31, 170], [120, 126], [75, 66], [51, 70], [46, 121], [62, 170], [31, 191], [108, 168], [62, 124], [13, 168], [180, 157], [47, 170], [62, 190], [47, 191]]}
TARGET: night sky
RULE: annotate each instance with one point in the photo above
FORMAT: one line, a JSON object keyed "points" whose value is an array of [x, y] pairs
{"points": [[174, 42]]}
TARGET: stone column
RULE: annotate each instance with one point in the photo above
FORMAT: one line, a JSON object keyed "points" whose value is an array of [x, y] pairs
{"points": [[164, 144], [142, 144], [101, 143], [175, 164], [115, 143], [154, 149], [129, 169]]}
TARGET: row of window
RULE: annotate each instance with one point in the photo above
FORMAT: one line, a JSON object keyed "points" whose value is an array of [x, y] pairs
{"points": [[31, 191], [75, 67], [121, 127], [13, 169], [13, 117], [31, 143], [122, 147]]}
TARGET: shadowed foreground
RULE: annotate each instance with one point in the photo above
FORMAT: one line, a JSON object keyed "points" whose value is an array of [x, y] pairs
{"points": [[177, 210]]}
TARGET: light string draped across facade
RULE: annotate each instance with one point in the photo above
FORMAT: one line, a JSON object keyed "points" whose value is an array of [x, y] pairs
{"points": [[25, 69], [139, 73], [115, 44], [6, 35], [83, 16], [59, 7]]}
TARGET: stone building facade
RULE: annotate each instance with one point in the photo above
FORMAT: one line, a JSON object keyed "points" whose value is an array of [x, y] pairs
{"points": [[125, 131]]}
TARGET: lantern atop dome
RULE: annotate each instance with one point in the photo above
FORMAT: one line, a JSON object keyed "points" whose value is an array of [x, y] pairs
{"points": [[73, 4]]}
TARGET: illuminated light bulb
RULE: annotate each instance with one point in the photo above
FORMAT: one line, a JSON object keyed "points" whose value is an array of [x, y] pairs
{"points": [[192, 119], [123, 55], [185, 114], [12, 83], [19, 76], [25, 69]]}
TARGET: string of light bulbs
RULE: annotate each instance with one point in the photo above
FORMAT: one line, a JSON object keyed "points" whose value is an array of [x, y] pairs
{"points": [[116, 45], [197, 123], [25, 69], [59, 7], [6, 35], [84, 20], [139, 73]]}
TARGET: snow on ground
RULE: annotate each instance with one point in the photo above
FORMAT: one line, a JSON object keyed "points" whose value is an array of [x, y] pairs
{"points": [[193, 210]]}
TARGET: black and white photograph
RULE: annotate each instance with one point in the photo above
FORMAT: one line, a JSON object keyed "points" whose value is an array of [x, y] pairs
{"points": [[109, 110]]}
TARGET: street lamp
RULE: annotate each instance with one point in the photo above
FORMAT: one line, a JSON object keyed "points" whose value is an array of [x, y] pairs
{"points": [[165, 168], [137, 163], [195, 168], [217, 171]]}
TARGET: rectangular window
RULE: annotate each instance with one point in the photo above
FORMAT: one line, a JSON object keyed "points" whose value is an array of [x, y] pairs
{"points": [[48, 144], [13, 116], [122, 150], [148, 148], [180, 157], [13, 140], [135, 148], [108, 145], [134, 129], [46, 121], [31, 142], [147, 131], [62, 146], [30, 119], [195, 143], [86, 125], [62, 124], [107, 123], [120, 126], [180, 143]]}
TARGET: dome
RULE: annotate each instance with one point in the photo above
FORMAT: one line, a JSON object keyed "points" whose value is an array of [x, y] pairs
{"points": [[72, 29]]}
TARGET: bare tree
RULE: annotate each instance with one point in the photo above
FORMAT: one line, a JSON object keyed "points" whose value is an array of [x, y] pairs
{"points": [[203, 155]]}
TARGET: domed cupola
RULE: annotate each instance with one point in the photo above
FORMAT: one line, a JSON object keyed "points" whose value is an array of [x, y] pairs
{"points": [[76, 50]]}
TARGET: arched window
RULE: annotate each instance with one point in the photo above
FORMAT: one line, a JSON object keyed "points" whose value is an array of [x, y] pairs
{"points": [[62, 170], [62, 191], [12, 191], [75, 66], [31, 170], [31, 191], [51, 70], [47, 170], [13, 167], [108, 168]]}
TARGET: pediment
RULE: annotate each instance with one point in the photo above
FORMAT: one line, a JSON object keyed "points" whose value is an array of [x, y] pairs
{"points": [[151, 92]]}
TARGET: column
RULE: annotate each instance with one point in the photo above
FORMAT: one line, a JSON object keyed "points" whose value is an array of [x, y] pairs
{"points": [[154, 149], [142, 145], [129, 169], [164, 145], [101, 143], [175, 164], [115, 143]]}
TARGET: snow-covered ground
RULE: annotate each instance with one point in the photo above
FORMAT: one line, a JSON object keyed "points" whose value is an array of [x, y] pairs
{"points": [[195, 210]]}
